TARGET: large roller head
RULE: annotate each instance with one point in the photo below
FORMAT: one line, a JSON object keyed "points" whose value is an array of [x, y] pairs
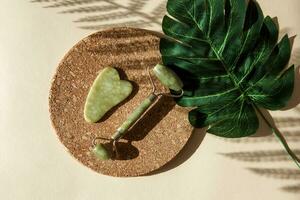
{"points": [[168, 77]]}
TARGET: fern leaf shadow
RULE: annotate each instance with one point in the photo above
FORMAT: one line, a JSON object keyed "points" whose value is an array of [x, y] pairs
{"points": [[260, 156], [291, 188], [101, 14], [89, 9], [278, 173]]}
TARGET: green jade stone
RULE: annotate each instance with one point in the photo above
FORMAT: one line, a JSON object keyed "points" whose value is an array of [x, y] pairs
{"points": [[100, 152], [168, 77], [134, 116], [106, 92]]}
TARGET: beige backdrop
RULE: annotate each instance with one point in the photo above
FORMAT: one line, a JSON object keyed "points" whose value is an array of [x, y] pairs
{"points": [[34, 165]]}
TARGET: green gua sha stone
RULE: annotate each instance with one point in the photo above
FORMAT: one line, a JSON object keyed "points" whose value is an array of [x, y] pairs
{"points": [[106, 92], [168, 78]]}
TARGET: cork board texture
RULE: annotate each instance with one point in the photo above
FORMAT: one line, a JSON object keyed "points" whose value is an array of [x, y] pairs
{"points": [[154, 140]]}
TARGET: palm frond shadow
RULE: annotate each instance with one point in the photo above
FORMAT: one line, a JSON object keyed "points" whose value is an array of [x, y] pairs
{"points": [[291, 131], [260, 156], [291, 188], [100, 14], [278, 173]]}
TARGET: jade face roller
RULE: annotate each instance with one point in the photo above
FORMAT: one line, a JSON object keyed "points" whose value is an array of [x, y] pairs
{"points": [[170, 80]]}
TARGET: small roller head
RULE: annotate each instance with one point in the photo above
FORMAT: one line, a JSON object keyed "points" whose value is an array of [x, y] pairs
{"points": [[168, 77], [101, 152]]}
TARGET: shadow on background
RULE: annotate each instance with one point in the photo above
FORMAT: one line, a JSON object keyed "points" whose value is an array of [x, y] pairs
{"points": [[261, 155], [295, 100], [99, 14], [292, 188]]}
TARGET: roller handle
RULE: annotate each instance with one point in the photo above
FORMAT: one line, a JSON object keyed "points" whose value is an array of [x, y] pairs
{"points": [[134, 116]]}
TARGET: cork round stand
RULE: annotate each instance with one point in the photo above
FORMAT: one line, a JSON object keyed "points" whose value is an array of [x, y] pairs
{"points": [[154, 140]]}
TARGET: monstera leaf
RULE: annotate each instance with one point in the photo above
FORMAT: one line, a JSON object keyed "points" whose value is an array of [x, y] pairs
{"points": [[226, 53]]}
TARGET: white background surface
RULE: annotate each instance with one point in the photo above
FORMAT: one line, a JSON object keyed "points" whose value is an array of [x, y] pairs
{"points": [[33, 163]]}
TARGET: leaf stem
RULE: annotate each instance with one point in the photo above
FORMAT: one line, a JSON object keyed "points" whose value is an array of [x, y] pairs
{"points": [[280, 137]]}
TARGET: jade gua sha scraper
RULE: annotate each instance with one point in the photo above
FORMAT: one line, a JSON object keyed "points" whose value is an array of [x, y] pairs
{"points": [[227, 55], [108, 90]]}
